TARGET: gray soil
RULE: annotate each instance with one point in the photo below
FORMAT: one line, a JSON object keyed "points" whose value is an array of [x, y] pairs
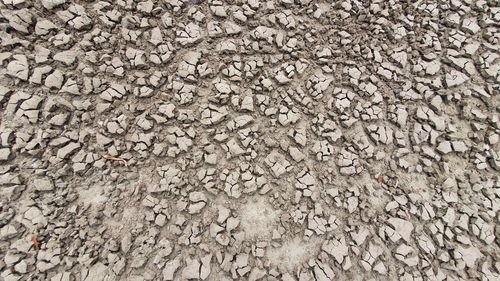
{"points": [[249, 140]]}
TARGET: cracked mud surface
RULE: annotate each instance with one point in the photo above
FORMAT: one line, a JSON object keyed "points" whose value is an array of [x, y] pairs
{"points": [[249, 140]]}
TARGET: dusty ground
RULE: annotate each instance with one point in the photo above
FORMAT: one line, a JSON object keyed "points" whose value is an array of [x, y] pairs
{"points": [[249, 140]]}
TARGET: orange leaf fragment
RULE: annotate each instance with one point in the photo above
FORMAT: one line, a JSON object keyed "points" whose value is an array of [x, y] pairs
{"points": [[109, 157], [380, 179], [36, 243]]}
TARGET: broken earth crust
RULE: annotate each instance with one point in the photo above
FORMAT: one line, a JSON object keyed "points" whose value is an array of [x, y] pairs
{"points": [[249, 140]]}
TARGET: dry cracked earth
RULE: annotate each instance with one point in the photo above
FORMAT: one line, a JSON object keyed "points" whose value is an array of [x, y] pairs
{"points": [[249, 140]]}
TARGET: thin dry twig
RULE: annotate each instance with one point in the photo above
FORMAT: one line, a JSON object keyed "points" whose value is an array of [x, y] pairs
{"points": [[109, 157], [36, 243]]}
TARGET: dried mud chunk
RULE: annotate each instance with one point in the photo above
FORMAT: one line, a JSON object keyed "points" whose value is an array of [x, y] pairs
{"points": [[170, 269], [66, 57], [455, 78], [247, 104], [337, 248], [349, 163], [114, 91], [317, 85], [67, 150], [76, 17], [4, 154], [30, 104], [136, 57], [263, 33], [296, 154], [20, 20], [55, 79], [218, 8], [459, 146], [288, 116], [323, 150], [381, 134], [43, 184], [51, 4], [278, 164], [444, 147], [145, 6], [371, 255], [19, 67], [232, 28], [38, 74], [188, 34], [299, 136], [198, 201], [96, 272], [171, 179], [231, 185], [213, 115], [214, 29], [402, 228], [71, 87], [398, 114], [35, 216], [233, 148]]}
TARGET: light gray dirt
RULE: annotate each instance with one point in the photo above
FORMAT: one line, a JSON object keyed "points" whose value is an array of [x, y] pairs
{"points": [[249, 140]]}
